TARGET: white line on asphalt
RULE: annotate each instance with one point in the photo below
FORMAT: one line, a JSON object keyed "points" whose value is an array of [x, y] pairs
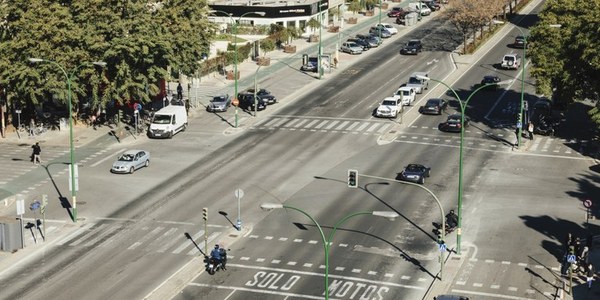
{"points": [[106, 158], [386, 283], [75, 233], [490, 295], [229, 295], [254, 290]]}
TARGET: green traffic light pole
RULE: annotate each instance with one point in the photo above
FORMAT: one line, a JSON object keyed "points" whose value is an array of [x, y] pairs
{"points": [[234, 26], [442, 229], [320, 50], [463, 107], [327, 242], [69, 78]]}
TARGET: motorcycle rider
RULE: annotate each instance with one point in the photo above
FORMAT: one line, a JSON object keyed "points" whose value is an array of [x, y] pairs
{"points": [[216, 255], [223, 255], [452, 219]]}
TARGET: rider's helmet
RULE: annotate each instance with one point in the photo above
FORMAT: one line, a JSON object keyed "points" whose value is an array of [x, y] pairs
{"points": [[452, 211], [216, 246]]}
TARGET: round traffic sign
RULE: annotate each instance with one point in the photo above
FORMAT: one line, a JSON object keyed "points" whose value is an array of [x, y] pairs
{"points": [[587, 203], [235, 102], [239, 193]]}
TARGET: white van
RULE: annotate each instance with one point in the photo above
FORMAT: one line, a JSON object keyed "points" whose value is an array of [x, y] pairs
{"points": [[414, 6], [168, 121]]}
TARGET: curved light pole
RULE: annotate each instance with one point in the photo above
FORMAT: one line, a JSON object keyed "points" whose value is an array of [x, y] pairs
{"points": [[69, 78], [463, 106], [234, 25], [327, 242]]}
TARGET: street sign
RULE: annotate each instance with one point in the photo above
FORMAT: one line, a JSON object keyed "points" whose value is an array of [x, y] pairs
{"points": [[235, 102], [587, 203], [519, 125], [35, 205], [239, 193], [20, 207], [137, 107], [442, 247], [571, 258]]}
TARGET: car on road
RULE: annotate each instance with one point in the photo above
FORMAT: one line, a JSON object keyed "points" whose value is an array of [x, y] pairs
{"points": [[452, 124], [265, 95], [388, 27], [412, 47], [351, 47], [520, 42], [418, 82], [219, 103], [130, 161], [415, 173], [490, 79], [511, 61], [390, 107], [434, 106], [406, 95]]}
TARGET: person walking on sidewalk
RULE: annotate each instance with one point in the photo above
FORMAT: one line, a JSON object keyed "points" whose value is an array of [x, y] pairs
{"points": [[590, 273], [179, 91], [35, 156], [530, 130]]}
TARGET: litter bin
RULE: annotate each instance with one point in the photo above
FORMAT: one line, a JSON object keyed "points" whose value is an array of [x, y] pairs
{"points": [[62, 124], [10, 234]]}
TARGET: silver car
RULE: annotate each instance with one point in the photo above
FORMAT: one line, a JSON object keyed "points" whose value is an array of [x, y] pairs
{"points": [[219, 103], [130, 161], [352, 48]]}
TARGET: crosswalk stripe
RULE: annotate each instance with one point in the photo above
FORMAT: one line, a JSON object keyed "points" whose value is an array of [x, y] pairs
{"points": [[280, 122], [352, 126], [536, 144], [309, 125], [333, 123], [546, 145], [209, 240], [342, 125], [291, 123], [373, 127], [188, 243], [145, 238], [89, 235], [321, 124], [362, 126], [75, 233], [171, 242], [301, 122], [383, 128], [101, 235]]}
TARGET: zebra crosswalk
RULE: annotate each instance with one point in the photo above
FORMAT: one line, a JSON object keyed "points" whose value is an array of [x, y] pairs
{"points": [[319, 124], [160, 238], [15, 160]]}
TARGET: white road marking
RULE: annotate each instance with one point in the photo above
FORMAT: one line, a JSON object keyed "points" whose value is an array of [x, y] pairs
{"points": [[106, 158], [254, 290], [186, 243], [496, 296]]}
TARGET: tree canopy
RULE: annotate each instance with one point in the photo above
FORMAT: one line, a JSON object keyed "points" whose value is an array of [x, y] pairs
{"points": [[139, 41]]}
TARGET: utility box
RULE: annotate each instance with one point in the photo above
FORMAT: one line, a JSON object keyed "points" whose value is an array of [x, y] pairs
{"points": [[10, 234]]}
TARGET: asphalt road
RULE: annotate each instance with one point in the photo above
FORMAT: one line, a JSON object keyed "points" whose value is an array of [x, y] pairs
{"points": [[517, 204]]}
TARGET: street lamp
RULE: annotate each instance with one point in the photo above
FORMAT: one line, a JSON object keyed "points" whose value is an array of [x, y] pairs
{"points": [[327, 242], [320, 51], [235, 54], [463, 106], [69, 77]]}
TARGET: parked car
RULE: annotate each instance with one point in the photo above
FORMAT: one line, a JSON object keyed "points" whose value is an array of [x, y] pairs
{"points": [[219, 103], [432, 4], [388, 27], [351, 47], [415, 173], [130, 161], [490, 79], [370, 38], [401, 17], [434, 106], [406, 95], [520, 42], [309, 67], [452, 124], [511, 61], [390, 107], [412, 47], [366, 45], [395, 12], [379, 31], [247, 102], [420, 7], [264, 94]]}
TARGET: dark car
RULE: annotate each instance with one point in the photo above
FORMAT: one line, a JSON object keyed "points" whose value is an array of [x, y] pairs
{"points": [[219, 103], [309, 67], [400, 18], [432, 4], [264, 94], [452, 124], [361, 42], [373, 40], [396, 12], [450, 297], [434, 106], [490, 79], [247, 101], [412, 47], [520, 42], [415, 173]]}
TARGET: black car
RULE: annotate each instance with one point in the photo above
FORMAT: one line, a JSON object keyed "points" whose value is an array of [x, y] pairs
{"points": [[264, 94], [434, 106], [309, 67], [520, 42], [361, 42], [247, 101], [452, 124], [490, 79], [415, 173], [412, 47], [432, 4]]}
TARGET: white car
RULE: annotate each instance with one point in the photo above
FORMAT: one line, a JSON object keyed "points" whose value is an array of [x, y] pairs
{"points": [[406, 95], [389, 108], [388, 27], [352, 48], [511, 61], [130, 161], [415, 82]]}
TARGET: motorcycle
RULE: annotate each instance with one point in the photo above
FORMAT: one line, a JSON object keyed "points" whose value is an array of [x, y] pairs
{"points": [[545, 127], [438, 228], [213, 265]]}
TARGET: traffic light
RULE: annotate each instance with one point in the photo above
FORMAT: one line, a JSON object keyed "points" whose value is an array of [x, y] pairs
{"points": [[353, 178], [571, 250], [205, 213], [440, 241]]}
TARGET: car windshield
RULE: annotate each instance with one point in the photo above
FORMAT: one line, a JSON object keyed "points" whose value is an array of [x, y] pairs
{"points": [[413, 168], [432, 102], [126, 157], [161, 119], [412, 43], [509, 58], [454, 119], [414, 80], [389, 102], [219, 99]]}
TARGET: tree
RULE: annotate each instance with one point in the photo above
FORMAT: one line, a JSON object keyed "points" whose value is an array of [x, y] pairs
{"points": [[267, 45], [314, 24], [355, 6]]}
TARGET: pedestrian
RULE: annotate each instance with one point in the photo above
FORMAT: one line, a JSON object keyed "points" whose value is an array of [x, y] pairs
{"points": [[223, 254], [35, 156], [31, 127], [590, 273], [179, 91], [568, 242], [530, 129]]}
